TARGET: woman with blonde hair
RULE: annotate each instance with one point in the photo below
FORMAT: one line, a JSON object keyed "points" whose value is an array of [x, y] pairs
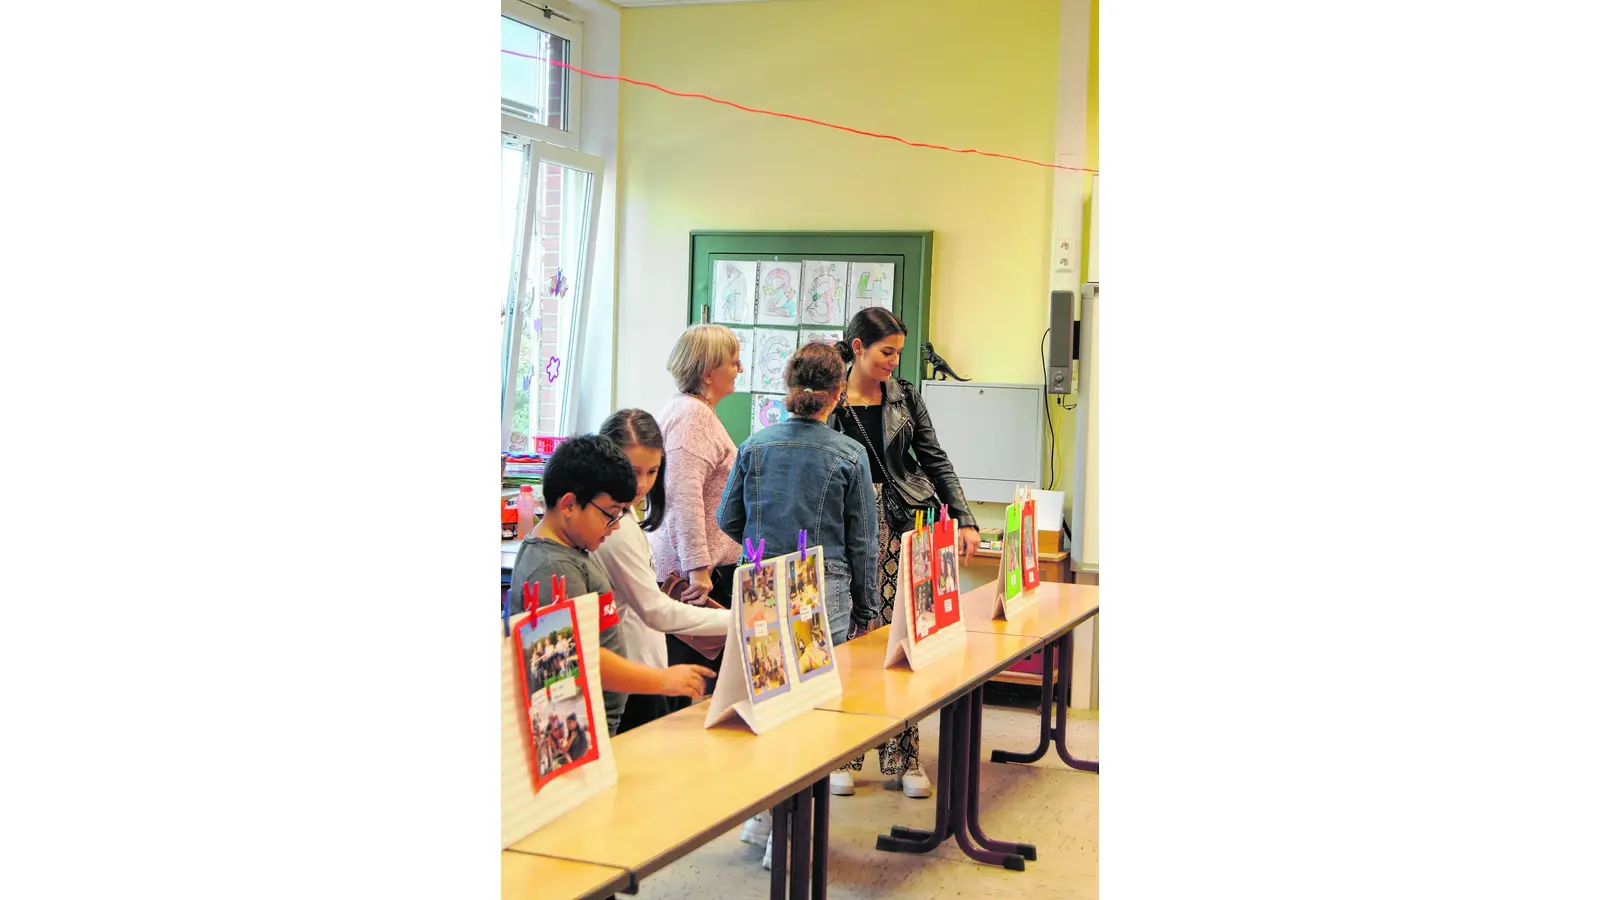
{"points": [[704, 364]]}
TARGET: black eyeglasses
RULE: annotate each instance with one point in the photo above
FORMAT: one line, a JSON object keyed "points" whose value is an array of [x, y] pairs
{"points": [[611, 518]]}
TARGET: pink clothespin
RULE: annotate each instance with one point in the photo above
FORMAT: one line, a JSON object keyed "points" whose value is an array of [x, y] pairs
{"points": [[944, 511]]}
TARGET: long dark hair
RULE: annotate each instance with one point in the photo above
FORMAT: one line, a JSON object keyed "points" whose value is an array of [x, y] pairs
{"points": [[637, 428], [871, 325]]}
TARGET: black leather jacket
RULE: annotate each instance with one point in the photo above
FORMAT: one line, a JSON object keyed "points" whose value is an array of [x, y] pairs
{"points": [[916, 463]]}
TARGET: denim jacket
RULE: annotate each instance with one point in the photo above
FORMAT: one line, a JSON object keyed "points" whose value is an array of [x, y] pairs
{"points": [[802, 474]]}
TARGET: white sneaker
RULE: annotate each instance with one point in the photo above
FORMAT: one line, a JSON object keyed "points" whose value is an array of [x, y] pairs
{"points": [[916, 783], [766, 861], [757, 829], [841, 783]]}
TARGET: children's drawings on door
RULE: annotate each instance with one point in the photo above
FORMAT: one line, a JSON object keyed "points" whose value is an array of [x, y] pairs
{"points": [[822, 292], [733, 292], [778, 297]]}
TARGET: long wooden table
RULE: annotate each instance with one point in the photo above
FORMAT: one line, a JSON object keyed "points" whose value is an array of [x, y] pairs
{"points": [[524, 875], [680, 784], [1056, 610]]}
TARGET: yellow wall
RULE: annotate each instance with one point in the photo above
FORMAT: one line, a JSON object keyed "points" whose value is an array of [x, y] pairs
{"points": [[941, 71]]}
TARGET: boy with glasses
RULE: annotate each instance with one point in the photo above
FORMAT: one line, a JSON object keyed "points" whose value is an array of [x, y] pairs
{"points": [[582, 482]]}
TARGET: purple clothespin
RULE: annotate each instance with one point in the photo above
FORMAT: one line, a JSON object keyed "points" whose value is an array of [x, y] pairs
{"points": [[802, 543], [505, 612], [753, 551]]}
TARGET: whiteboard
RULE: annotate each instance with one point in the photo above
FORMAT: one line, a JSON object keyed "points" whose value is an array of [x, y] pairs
{"points": [[1086, 467], [991, 432]]}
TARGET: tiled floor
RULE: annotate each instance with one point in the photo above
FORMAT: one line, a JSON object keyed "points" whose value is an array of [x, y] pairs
{"points": [[1046, 804]]}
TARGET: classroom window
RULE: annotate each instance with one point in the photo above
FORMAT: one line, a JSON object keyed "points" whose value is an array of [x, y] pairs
{"points": [[538, 97], [549, 199]]}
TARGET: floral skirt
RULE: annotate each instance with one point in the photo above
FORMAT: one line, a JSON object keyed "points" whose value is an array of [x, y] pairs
{"points": [[900, 753]]}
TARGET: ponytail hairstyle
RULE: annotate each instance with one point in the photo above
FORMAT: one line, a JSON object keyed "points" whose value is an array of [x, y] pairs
{"points": [[637, 428], [813, 375], [871, 325]]}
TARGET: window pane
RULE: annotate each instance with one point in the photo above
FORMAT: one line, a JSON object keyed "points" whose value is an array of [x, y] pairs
{"points": [[513, 200], [534, 89], [561, 198]]}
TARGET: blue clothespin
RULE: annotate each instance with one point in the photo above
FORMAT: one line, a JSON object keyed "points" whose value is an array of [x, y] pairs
{"points": [[505, 612], [802, 543], [753, 551]]}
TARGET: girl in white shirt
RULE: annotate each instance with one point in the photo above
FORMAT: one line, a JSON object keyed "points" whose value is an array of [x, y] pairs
{"points": [[647, 615]]}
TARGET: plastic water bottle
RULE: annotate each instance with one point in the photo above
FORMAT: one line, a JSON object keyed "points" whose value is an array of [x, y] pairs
{"points": [[525, 512]]}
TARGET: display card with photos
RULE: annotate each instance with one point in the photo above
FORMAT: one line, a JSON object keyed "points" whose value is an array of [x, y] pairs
{"points": [[779, 638], [1019, 556], [554, 749], [926, 622]]}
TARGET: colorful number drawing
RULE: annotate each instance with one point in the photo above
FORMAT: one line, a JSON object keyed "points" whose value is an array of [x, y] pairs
{"points": [[779, 293], [766, 410], [734, 293], [773, 349], [822, 300], [871, 284], [747, 357]]}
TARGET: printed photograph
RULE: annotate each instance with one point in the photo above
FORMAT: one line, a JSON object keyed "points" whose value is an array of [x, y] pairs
{"points": [[563, 734], [919, 555], [805, 589], [947, 570], [1028, 560], [549, 653], [758, 601], [923, 594], [765, 658], [811, 643], [560, 718]]}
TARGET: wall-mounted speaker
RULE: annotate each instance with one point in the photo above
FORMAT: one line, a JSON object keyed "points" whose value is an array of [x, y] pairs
{"points": [[1061, 348]]}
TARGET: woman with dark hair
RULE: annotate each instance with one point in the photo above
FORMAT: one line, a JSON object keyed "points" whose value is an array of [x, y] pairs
{"points": [[646, 615], [910, 471], [801, 474]]}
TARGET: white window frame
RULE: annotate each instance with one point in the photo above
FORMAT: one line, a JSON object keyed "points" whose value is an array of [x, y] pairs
{"points": [[571, 358], [533, 17]]}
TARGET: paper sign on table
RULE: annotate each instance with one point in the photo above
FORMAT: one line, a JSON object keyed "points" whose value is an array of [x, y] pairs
{"points": [[529, 798], [926, 622], [778, 637], [1012, 593]]}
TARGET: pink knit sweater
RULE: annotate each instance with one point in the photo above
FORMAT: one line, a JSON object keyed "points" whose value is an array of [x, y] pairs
{"points": [[700, 457]]}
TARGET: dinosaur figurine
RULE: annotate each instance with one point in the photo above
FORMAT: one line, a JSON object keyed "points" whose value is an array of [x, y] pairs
{"points": [[941, 369]]}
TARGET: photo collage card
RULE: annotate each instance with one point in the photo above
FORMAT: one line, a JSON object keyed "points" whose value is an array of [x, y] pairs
{"points": [[756, 597], [556, 693]]}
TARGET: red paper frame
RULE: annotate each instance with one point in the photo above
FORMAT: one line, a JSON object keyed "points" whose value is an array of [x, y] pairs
{"points": [[527, 699]]}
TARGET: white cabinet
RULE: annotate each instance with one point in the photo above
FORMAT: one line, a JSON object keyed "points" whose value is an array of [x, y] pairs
{"points": [[993, 434]]}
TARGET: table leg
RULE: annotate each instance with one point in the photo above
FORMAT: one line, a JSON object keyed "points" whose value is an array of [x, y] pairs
{"points": [[1064, 661], [780, 849], [974, 756], [1046, 695], [914, 840], [819, 840], [964, 765], [800, 856]]}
